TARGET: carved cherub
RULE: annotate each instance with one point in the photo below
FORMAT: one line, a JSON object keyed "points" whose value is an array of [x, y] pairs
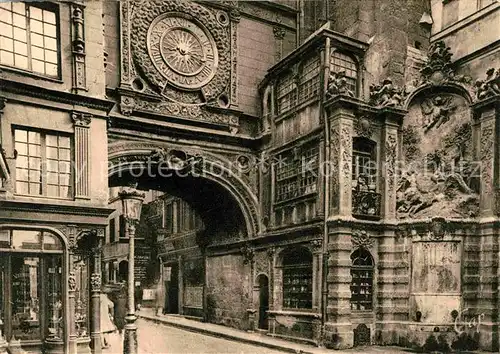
{"points": [[386, 95], [436, 111], [337, 84]]}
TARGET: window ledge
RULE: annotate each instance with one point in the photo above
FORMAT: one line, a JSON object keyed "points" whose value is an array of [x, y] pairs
{"points": [[30, 74], [295, 312]]}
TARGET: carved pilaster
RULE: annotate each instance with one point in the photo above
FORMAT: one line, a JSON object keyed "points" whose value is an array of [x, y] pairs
{"points": [[234, 16], [390, 147], [279, 34], [82, 153], [78, 47], [486, 153]]}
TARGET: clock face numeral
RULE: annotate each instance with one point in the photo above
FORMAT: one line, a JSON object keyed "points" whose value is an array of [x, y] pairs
{"points": [[182, 50]]}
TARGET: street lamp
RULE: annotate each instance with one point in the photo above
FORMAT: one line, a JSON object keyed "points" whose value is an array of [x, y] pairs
{"points": [[132, 204]]}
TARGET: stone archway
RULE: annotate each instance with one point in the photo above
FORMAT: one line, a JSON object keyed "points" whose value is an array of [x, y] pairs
{"points": [[194, 162]]}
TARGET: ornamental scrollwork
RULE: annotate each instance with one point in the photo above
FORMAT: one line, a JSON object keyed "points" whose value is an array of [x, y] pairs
{"points": [[334, 160], [81, 119], [248, 254], [364, 127], [95, 282], [71, 282], [486, 153], [390, 159], [361, 239]]}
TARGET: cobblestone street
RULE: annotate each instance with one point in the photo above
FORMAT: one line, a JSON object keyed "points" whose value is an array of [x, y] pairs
{"points": [[159, 339], [155, 338]]}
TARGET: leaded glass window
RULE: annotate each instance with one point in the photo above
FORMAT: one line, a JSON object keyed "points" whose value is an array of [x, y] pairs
{"points": [[297, 278], [343, 62], [309, 79], [362, 280], [287, 93], [364, 164]]}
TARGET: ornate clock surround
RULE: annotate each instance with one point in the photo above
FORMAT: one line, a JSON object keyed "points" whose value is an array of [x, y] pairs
{"points": [[175, 30]]}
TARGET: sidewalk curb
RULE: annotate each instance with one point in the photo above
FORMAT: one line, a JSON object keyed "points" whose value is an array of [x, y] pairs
{"points": [[221, 335]]}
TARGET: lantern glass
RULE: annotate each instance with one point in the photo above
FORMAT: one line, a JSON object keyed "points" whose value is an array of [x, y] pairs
{"points": [[132, 208]]}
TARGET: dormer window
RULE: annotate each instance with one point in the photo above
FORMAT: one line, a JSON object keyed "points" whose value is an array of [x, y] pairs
{"points": [[340, 62]]}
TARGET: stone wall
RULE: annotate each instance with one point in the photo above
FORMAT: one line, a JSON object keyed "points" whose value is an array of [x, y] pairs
{"points": [[228, 290]]}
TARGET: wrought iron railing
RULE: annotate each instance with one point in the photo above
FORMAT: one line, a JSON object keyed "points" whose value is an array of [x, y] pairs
{"points": [[366, 204]]}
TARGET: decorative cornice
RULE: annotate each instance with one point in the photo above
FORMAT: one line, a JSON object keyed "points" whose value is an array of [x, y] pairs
{"points": [[31, 206], [55, 96]]}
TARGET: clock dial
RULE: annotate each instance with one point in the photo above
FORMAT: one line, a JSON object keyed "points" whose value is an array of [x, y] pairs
{"points": [[182, 50]]}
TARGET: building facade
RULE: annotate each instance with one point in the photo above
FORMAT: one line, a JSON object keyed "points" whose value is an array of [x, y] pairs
{"points": [[332, 166]]}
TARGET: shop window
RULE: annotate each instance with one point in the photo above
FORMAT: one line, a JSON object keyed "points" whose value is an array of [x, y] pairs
{"points": [[297, 172], [297, 278], [43, 164], [29, 37], [31, 267], [342, 62], [309, 79], [362, 280], [364, 164]]}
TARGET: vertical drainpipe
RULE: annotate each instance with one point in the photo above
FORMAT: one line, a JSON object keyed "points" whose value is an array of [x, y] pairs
{"points": [[324, 288]]}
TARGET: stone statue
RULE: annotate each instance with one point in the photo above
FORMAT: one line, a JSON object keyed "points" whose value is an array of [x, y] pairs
{"points": [[386, 94], [436, 111], [337, 85], [490, 86]]}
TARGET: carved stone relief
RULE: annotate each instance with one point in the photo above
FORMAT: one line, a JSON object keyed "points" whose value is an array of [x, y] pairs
{"points": [[490, 86], [390, 160], [364, 127], [346, 145], [439, 177], [486, 153], [187, 54], [386, 94], [360, 238], [95, 282], [338, 85], [261, 263], [334, 161]]}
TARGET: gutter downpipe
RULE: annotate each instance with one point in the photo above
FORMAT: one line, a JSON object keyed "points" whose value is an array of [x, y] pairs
{"points": [[326, 194]]}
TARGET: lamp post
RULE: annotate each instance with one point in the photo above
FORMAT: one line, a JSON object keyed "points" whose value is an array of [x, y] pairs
{"points": [[132, 204]]}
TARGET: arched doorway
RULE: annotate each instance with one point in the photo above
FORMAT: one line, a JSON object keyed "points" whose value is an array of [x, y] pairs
{"points": [[263, 301]]}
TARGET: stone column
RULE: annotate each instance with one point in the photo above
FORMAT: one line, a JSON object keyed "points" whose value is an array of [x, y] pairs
{"points": [[82, 153], [341, 126], [338, 331], [95, 306]]}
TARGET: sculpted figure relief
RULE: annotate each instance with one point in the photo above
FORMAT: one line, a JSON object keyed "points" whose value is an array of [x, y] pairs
{"points": [[490, 86], [386, 94], [436, 111], [337, 85]]}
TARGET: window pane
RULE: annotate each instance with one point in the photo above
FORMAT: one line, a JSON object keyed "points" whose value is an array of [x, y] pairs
{"points": [[65, 167], [4, 243], [38, 66], [26, 290], [64, 141], [19, 8], [35, 189], [34, 150], [65, 192], [52, 165], [36, 26], [54, 296], [6, 6], [51, 56], [52, 191], [52, 153], [64, 154], [51, 69], [19, 21], [35, 163], [5, 16], [50, 43], [51, 242], [49, 30], [36, 53], [6, 58], [20, 48], [36, 39], [21, 61], [21, 135], [34, 137], [35, 13], [35, 176], [26, 239], [52, 178], [51, 140], [6, 44], [64, 179], [22, 187], [20, 34], [49, 16], [5, 29], [22, 161]]}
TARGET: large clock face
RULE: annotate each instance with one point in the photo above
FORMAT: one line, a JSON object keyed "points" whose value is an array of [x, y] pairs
{"points": [[182, 50]]}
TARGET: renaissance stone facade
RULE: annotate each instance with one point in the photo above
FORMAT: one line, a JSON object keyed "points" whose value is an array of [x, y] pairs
{"points": [[343, 169]]}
